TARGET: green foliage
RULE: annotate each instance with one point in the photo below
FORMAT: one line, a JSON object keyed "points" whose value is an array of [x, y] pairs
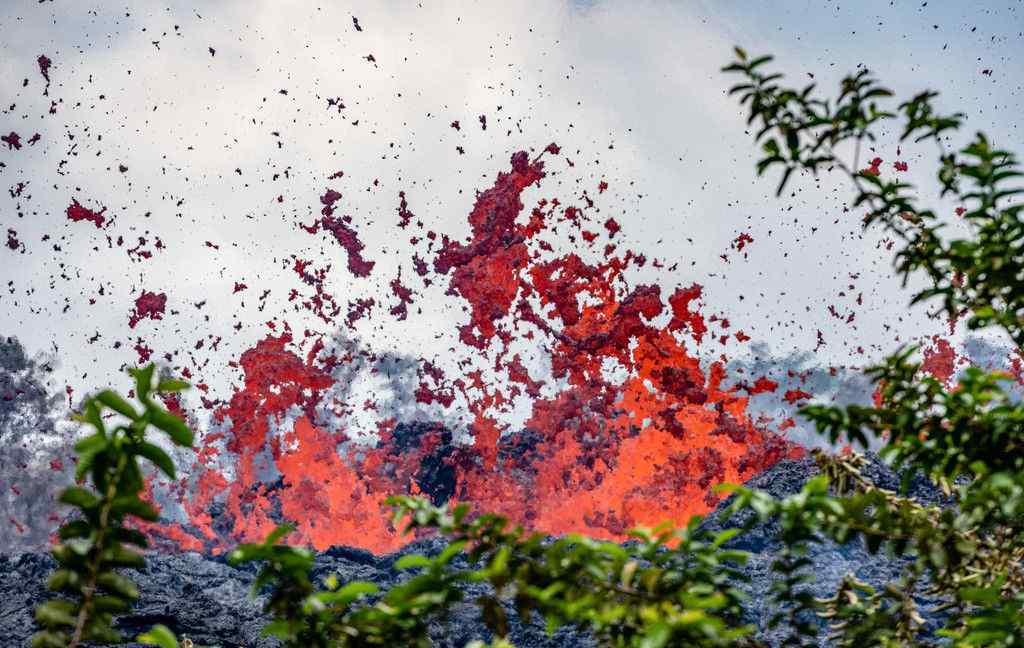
{"points": [[158, 635], [100, 542], [797, 518], [980, 275], [304, 615], [670, 587], [861, 616], [969, 439]]}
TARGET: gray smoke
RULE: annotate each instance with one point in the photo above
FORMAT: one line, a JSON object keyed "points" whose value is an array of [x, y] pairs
{"points": [[35, 456], [387, 380], [841, 385]]}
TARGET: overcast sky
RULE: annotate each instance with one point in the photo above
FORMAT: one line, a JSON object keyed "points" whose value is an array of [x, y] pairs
{"points": [[631, 91]]}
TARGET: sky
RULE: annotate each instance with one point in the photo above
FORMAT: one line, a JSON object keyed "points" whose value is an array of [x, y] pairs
{"points": [[210, 130]]}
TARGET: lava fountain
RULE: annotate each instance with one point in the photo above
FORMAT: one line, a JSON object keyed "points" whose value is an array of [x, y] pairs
{"points": [[625, 428]]}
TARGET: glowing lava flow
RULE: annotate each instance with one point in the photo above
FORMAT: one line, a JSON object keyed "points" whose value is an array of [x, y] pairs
{"points": [[597, 455]]}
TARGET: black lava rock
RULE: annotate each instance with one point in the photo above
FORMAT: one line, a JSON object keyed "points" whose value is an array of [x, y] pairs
{"points": [[208, 601]]}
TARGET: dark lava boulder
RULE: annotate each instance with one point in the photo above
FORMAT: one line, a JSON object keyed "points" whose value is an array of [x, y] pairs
{"points": [[208, 601]]}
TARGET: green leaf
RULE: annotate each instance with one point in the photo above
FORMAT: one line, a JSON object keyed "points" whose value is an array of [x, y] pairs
{"points": [[50, 639], [172, 385], [657, 636], [131, 536], [91, 444], [358, 588], [246, 553], [80, 497], [158, 635], [980, 595], [348, 593], [784, 180], [725, 536], [110, 604], [132, 505], [114, 401], [86, 462], [156, 454], [75, 529], [90, 415], [450, 552], [278, 533], [119, 584], [63, 578], [494, 615], [411, 561], [56, 613], [280, 628], [173, 426], [143, 380], [119, 556]]}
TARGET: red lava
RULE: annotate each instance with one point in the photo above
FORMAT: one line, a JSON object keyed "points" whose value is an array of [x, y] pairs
{"points": [[76, 212], [148, 305], [598, 454]]}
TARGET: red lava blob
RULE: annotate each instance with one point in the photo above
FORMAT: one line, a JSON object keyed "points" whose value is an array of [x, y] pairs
{"points": [[404, 215], [940, 360], [344, 234], [76, 212], [12, 140], [349, 240], [612, 226], [793, 395], [741, 241], [874, 167], [44, 63], [147, 305], [404, 295], [763, 385]]}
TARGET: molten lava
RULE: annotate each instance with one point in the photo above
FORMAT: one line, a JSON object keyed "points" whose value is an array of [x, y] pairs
{"points": [[628, 429]]}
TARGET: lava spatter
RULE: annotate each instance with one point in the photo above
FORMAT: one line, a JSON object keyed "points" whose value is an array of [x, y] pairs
{"points": [[12, 240], [148, 305], [599, 452], [44, 62], [12, 140], [485, 270], [76, 213], [940, 359], [344, 234], [404, 294]]}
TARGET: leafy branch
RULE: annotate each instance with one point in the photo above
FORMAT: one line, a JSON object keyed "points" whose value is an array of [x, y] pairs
{"points": [[671, 587], [969, 439], [100, 541]]}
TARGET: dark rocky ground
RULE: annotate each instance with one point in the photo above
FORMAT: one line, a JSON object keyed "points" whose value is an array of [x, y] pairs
{"points": [[208, 601]]}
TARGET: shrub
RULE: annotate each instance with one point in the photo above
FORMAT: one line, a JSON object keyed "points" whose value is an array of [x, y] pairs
{"points": [[97, 543]]}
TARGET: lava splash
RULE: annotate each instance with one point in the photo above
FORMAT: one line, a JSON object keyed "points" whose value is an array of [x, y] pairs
{"points": [[625, 425]]}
